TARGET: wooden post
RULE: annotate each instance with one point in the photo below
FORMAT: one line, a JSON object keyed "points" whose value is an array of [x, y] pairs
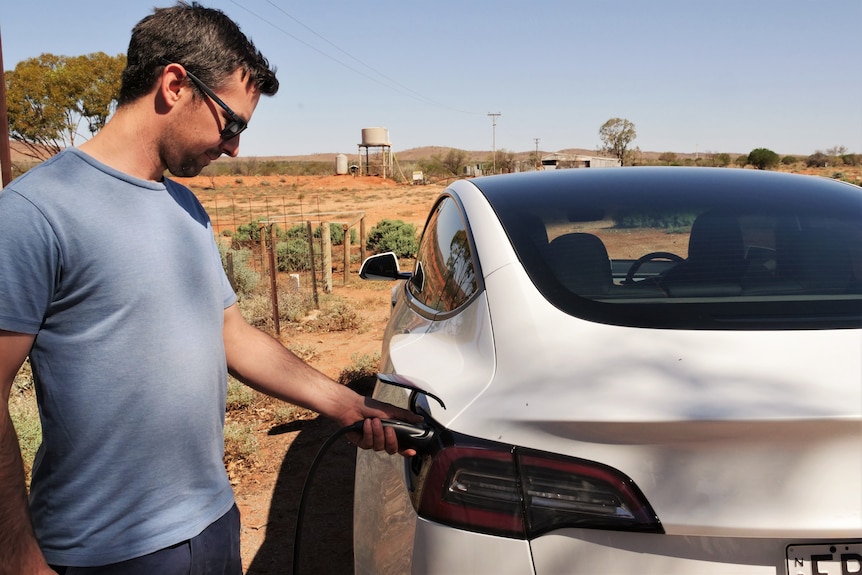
{"points": [[326, 237], [230, 272], [362, 239], [346, 229]]}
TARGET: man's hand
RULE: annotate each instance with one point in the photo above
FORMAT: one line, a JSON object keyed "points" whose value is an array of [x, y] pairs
{"points": [[374, 435]]}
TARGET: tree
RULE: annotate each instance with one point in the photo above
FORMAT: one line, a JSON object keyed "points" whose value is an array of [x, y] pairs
{"points": [[454, 161], [817, 160], [763, 158], [616, 135], [506, 161], [667, 157], [721, 160], [50, 96], [742, 160]]}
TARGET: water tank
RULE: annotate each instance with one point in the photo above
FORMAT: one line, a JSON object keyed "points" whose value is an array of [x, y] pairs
{"points": [[341, 164], [375, 137]]}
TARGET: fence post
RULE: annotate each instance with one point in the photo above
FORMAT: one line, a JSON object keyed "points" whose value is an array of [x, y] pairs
{"points": [[273, 271], [313, 267], [346, 252], [326, 247], [362, 239]]}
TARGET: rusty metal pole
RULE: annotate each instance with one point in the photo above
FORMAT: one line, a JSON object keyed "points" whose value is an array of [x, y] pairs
{"points": [[313, 270], [5, 147], [273, 280]]}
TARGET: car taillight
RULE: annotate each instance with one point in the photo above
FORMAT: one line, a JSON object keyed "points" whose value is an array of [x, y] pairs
{"points": [[523, 493]]}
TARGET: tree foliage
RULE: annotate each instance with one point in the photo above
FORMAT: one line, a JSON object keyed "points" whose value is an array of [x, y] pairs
{"points": [[763, 158], [616, 135], [721, 160], [454, 161], [49, 97], [667, 158]]}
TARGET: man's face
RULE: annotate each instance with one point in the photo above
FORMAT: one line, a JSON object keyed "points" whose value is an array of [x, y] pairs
{"points": [[197, 139]]}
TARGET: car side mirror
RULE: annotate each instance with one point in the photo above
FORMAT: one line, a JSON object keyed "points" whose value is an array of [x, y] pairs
{"points": [[382, 267]]}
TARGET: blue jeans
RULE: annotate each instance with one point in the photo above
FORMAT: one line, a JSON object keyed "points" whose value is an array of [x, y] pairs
{"points": [[214, 552]]}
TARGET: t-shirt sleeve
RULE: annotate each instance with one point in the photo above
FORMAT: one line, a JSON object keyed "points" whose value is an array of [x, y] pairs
{"points": [[30, 264]]}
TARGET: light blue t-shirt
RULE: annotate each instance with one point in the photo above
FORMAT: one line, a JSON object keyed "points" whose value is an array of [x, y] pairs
{"points": [[121, 281]]}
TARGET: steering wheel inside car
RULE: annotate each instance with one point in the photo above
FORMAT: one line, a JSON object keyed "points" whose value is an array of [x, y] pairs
{"points": [[636, 265]]}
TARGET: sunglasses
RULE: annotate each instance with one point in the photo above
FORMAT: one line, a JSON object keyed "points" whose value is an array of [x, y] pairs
{"points": [[236, 124]]}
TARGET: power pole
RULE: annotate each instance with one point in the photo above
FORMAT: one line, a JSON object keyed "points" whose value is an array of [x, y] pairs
{"points": [[537, 152], [494, 116]]}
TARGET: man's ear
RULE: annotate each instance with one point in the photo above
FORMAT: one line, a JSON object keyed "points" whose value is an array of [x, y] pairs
{"points": [[172, 86]]}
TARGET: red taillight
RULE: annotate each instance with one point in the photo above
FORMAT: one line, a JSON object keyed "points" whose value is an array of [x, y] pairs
{"points": [[523, 493]]}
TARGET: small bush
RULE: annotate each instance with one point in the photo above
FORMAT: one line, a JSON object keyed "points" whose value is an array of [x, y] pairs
{"points": [[245, 279], [239, 395], [393, 236], [292, 255], [240, 448], [292, 306], [337, 315], [361, 374], [763, 158], [817, 160]]}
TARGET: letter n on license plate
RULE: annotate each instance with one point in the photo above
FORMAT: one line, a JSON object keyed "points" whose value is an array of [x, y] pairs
{"points": [[825, 559]]}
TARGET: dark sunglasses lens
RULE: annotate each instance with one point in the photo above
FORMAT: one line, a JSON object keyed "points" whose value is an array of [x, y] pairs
{"points": [[232, 129]]}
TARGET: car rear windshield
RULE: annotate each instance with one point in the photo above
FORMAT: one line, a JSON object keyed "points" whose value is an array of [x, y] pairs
{"points": [[689, 248]]}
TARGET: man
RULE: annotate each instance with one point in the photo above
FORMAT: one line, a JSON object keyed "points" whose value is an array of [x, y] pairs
{"points": [[110, 280]]}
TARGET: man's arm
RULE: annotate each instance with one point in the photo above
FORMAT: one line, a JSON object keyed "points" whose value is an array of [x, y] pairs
{"points": [[263, 363], [19, 551]]}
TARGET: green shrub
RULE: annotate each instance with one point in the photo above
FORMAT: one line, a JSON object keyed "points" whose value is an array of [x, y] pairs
{"points": [[245, 279], [817, 160], [239, 395], [361, 372], [292, 306], [722, 159], [336, 315], [789, 160], [763, 158], [393, 236], [292, 255], [249, 232]]}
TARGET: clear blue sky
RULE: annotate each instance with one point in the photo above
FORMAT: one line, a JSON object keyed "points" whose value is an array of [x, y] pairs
{"points": [[693, 76]]}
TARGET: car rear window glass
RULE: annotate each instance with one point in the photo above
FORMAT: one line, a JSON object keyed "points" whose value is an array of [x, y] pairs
{"points": [[693, 248]]}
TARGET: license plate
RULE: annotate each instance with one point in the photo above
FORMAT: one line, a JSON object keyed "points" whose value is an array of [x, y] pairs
{"points": [[825, 559]]}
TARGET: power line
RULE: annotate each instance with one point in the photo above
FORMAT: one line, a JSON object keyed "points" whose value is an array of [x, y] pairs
{"points": [[392, 83]]}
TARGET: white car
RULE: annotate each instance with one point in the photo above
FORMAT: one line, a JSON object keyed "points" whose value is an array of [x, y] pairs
{"points": [[632, 370]]}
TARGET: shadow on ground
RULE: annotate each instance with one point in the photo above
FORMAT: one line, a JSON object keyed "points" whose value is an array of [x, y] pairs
{"points": [[327, 530]]}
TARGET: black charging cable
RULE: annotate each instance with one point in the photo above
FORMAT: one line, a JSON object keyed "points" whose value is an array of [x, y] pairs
{"points": [[418, 436]]}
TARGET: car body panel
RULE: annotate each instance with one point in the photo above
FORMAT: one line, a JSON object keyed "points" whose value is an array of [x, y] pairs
{"points": [[743, 441]]}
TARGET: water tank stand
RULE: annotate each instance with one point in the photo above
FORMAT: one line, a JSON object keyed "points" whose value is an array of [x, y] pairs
{"points": [[386, 152]]}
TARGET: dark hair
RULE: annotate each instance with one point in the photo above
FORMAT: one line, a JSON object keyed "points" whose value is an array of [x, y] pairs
{"points": [[204, 40]]}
